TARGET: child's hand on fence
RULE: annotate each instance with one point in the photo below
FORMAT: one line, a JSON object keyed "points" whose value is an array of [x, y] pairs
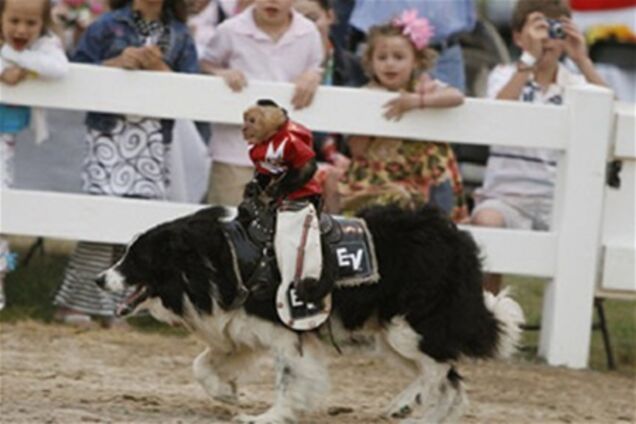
{"points": [[575, 46], [130, 58], [395, 108], [235, 79], [13, 75], [152, 59], [306, 86]]}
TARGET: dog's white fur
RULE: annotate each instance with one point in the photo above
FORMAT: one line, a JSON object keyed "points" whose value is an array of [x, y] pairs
{"points": [[235, 339], [114, 280]]}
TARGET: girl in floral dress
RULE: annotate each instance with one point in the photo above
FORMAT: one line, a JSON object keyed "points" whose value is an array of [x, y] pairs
{"points": [[407, 172]]}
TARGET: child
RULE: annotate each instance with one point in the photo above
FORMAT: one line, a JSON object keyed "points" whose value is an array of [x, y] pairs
{"points": [[74, 16], [409, 173], [341, 69], [126, 155], [268, 41], [27, 49], [518, 187], [285, 164]]}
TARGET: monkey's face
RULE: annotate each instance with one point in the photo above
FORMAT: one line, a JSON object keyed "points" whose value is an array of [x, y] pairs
{"points": [[262, 122]]}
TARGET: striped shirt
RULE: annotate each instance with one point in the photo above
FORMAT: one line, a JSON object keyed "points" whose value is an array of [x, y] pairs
{"points": [[78, 290]]}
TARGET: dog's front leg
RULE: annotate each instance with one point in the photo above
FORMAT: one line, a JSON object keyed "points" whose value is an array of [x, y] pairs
{"points": [[218, 372], [301, 380]]}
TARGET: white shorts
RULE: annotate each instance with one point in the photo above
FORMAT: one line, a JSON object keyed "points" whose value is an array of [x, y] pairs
{"points": [[520, 214]]}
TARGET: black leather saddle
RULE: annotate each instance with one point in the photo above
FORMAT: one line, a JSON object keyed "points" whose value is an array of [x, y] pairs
{"points": [[350, 245]]}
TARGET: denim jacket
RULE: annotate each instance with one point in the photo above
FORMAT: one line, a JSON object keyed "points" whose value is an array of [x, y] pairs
{"points": [[111, 34]]}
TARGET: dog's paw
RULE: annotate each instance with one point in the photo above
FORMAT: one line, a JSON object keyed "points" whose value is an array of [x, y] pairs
{"points": [[221, 391], [401, 412], [404, 405], [266, 418]]}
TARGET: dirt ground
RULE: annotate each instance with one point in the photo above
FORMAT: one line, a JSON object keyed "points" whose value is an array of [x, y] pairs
{"points": [[56, 374]]}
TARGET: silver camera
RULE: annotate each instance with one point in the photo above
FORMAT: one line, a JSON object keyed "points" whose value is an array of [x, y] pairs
{"points": [[555, 29]]}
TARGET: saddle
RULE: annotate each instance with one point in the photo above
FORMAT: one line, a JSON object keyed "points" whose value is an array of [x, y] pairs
{"points": [[251, 240]]}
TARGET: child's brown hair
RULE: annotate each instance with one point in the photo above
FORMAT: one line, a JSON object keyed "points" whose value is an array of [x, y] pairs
{"points": [[424, 58], [550, 8], [47, 21]]}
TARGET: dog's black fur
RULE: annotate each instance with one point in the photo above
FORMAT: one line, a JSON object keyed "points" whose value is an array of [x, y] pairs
{"points": [[430, 277], [430, 273]]}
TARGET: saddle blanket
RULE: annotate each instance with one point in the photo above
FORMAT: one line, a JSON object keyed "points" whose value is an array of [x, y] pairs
{"points": [[353, 252]]}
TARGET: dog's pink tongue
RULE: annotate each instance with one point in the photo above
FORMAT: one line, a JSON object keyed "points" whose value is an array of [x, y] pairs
{"points": [[127, 306]]}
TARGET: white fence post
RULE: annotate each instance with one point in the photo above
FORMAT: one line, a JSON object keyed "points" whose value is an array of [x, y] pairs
{"points": [[618, 277], [568, 300]]}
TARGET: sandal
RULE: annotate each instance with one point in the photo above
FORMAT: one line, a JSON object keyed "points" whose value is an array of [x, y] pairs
{"points": [[73, 318]]}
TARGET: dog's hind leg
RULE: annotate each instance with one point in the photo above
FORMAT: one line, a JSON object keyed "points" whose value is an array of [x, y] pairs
{"points": [[445, 400], [301, 379], [218, 372], [399, 345], [405, 402], [436, 395]]}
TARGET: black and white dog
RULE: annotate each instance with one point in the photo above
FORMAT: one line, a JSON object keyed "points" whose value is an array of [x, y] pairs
{"points": [[427, 311]]}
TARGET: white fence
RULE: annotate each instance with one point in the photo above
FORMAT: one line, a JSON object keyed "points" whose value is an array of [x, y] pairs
{"points": [[570, 255], [619, 223]]}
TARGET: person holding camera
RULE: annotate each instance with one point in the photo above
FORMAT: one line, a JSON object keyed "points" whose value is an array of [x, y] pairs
{"points": [[518, 187]]}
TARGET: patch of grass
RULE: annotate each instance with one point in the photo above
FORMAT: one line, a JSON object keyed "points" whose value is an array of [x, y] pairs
{"points": [[620, 316], [30, 290]]}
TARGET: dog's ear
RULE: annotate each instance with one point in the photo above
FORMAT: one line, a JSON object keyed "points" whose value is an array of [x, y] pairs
{"points": [[222, 270], [171, 266], [207, 270], [194, 276]]}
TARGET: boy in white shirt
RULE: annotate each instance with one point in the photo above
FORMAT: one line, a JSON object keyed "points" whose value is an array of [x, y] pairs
{"points": [[518, 187], [268, 41]]}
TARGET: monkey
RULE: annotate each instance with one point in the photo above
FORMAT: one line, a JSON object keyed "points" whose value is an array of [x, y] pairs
{"points": [[285, 163], [262, 121], [282, 153]]}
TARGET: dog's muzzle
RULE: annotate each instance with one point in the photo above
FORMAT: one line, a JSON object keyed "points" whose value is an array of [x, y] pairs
{"points": [[113, 281]]}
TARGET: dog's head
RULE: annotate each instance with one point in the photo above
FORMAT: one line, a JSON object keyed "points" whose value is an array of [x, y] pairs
{"points": [[260, 122], [186, 260]]}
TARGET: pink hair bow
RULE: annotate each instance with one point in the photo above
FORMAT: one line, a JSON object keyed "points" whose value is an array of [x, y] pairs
{"points": [[419, 30]]}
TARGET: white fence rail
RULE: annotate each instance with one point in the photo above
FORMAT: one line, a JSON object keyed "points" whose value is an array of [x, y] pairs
{"points": [[569, 255]]}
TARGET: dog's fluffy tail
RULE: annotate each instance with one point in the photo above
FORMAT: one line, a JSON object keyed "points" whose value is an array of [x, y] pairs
{"points": [[510, 317]]}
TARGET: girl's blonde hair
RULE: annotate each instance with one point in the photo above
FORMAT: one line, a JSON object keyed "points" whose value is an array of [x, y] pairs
{"points": [[424, 58]]}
